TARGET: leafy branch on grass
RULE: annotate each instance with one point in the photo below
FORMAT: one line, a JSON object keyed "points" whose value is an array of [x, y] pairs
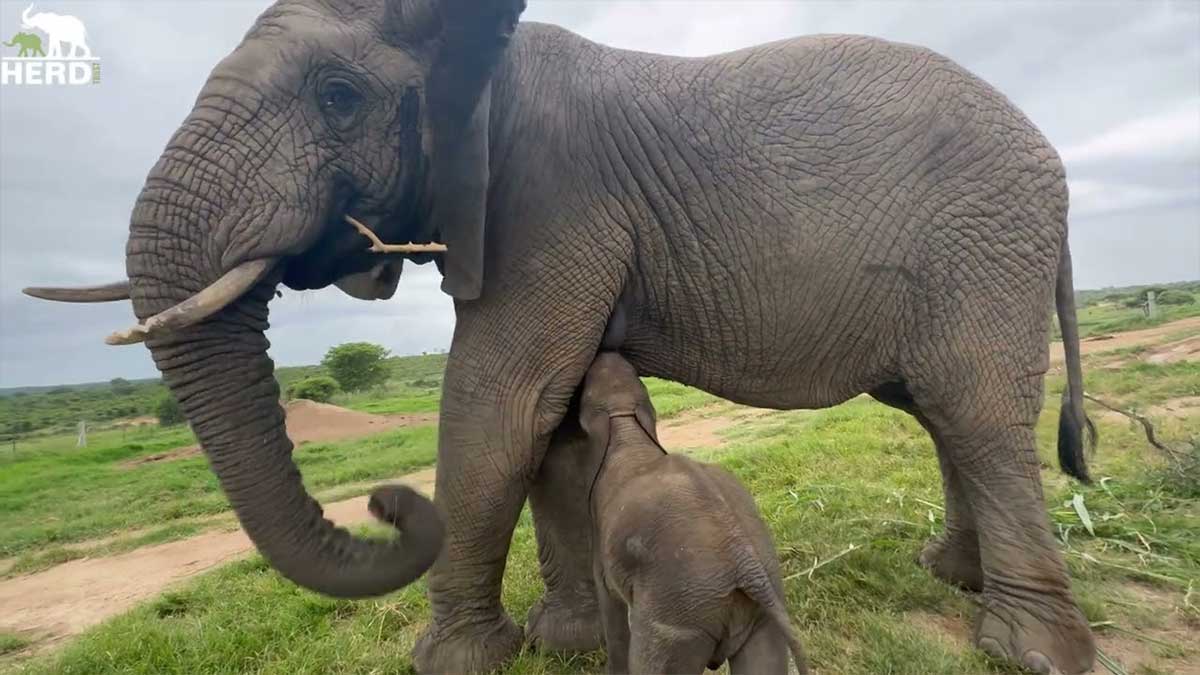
{"points": [[1146, 426]]}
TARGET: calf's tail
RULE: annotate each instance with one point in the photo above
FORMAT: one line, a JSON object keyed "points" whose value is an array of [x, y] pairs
{"points": [[758, 587]]}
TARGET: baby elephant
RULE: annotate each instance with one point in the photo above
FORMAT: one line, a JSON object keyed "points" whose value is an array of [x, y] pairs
{"points": [[685, 569]]}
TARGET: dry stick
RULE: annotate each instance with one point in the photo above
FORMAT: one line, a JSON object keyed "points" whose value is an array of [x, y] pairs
{"points": [[1146, 426], [378, 246], [816, 566]]}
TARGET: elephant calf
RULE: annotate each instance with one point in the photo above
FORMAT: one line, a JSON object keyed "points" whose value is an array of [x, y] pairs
{"points": [[685, 570]]}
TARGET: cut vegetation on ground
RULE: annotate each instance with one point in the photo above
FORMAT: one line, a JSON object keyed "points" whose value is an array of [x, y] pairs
{"points": [[851, 493]]}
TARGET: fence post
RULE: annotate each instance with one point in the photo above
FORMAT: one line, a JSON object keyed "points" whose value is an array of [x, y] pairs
{"points": [[1151, 304], [82, 442]]}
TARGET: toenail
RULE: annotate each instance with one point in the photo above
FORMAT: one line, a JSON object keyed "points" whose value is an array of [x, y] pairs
{"points": [[1039, 663], [992, 647]]}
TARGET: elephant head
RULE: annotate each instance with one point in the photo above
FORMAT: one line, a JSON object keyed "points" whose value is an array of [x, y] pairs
{"points": [[612, 389], [328, 108]]}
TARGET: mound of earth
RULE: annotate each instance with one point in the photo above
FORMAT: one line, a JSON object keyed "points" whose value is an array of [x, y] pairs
{"points": [[312, 422]]}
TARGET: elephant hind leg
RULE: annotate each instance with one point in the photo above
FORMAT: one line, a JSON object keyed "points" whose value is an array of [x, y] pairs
{"points": [[984, 427], [659, 647], [567, 617], [952, 556], [765, 652]]}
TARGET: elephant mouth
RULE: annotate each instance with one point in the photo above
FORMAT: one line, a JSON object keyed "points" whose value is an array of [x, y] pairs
{"points": [[231, 286]]}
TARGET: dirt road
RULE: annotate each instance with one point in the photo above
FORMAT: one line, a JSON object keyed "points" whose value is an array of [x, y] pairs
{"points": [[52, 605], [1185, 348]]}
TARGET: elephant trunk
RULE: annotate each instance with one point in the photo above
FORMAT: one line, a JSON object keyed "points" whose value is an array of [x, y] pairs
{"points": [[220, 373]]}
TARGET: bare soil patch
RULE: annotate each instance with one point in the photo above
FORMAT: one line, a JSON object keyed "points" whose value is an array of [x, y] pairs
{"points": [[65, 600], [701, 429], [55, 604], [1138, 338], [312, 422], [1179, 408]]}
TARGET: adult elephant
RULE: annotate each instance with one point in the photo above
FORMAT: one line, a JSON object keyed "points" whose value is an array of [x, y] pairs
{"points": [[784, 226]]}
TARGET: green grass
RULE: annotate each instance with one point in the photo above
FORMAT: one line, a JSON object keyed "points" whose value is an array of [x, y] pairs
{"points": [[10, 643], [857, 475], [1105, 318], [52, 493]]}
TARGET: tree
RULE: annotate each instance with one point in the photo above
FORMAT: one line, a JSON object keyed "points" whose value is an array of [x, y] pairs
{"points": [[120, 385], [169, 412], [1174, 297], [357, 365], [320, 388]]}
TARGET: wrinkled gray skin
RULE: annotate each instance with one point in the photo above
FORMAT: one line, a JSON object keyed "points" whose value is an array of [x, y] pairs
{"points": [[784, 226], [685, 569]]}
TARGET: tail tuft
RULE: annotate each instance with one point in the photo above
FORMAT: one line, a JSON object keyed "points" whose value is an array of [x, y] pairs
{"points": [[1071, 434]]}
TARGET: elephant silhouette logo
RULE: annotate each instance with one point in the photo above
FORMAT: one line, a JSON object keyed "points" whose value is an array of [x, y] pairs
{"points": [[53, 49], [60, 29], [30, 44]]}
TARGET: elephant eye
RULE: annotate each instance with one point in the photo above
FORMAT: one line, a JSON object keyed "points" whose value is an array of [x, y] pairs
{"points": [[340, 102]]}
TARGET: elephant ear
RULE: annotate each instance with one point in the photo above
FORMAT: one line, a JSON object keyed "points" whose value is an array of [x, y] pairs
{"points": [[473, 37], [598, 426], [646, 418]]}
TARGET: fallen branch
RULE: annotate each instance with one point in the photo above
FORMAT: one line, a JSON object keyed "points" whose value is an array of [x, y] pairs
{"points": [[377, 246], [1146, 426], [818, 565]]}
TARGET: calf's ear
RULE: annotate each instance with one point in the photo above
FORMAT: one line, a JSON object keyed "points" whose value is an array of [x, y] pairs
{"points": [[646, 417]]}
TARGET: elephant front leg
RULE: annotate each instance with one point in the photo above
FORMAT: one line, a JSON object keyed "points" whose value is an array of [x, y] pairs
{"points": [[567, 616], [480, 490], [506, 390]]}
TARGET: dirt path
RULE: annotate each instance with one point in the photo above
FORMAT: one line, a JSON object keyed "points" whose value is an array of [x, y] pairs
{"points": [[60, 602], [1185, 347]]}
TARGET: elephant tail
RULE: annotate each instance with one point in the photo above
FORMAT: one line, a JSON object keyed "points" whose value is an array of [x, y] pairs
{"points": [[1073, 422], [757, 585]]}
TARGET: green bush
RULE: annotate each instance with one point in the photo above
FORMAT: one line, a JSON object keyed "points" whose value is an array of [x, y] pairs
{"points": [[357, 365], [168, 411], [321, 389], [1174, 297]]}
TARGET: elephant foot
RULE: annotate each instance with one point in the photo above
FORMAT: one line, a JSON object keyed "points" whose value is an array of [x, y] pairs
{"points": [[476, 647], [1050, 638], [558, 626], [955, 560]]}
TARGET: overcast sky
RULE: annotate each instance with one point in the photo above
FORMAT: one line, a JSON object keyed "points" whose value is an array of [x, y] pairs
{"points": [[1114, 85]]}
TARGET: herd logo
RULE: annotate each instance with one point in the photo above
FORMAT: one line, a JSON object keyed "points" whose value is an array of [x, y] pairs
{"points": [[60, 55]]}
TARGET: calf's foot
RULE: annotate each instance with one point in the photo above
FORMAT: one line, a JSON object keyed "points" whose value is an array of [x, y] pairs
{"points": [[564, 624], [1044, 634], [477, 646], [954, 558]]}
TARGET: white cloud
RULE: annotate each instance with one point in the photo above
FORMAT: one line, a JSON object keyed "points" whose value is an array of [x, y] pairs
{"points": [[1090, 197], [1116, 85], [1175, 132]]}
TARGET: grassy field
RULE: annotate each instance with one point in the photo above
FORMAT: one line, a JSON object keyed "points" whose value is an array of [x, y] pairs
{"points": [[851, 493], [1106, 311], [53, 494]]}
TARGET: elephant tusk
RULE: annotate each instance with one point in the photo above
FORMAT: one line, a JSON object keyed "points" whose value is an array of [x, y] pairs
{"points": [[378, 246], [106, 293], [200, 306]]}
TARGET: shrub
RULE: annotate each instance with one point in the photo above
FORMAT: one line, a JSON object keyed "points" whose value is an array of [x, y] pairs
{"points": [[321, 389], [1174, 297], [168, 411], [357, 365]]}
